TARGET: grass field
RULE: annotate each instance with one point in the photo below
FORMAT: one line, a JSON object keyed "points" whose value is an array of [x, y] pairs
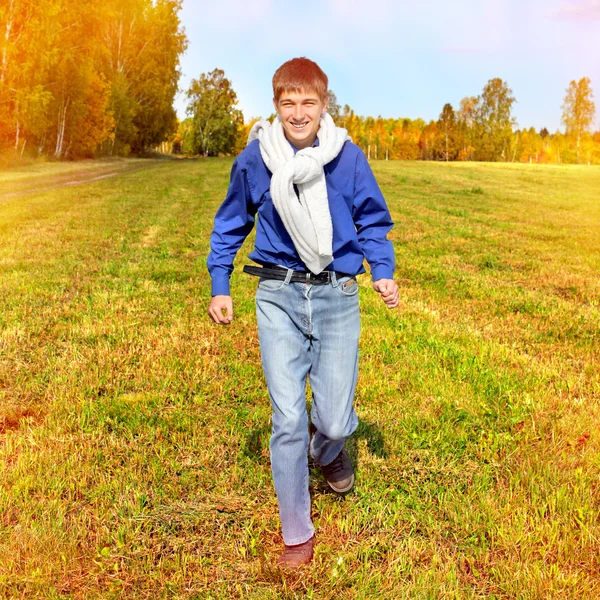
{"points": [[45, 176], [134, 433]]}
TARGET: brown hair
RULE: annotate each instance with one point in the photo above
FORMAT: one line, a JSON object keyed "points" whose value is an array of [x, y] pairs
{"points": [[300, 75]]}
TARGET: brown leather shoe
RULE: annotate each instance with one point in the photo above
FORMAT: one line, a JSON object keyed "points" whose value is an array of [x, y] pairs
{"points": [[296, 556]]}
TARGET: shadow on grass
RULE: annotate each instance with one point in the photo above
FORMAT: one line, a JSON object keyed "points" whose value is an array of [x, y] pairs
{"points": [[373, 437], [256, 443]]}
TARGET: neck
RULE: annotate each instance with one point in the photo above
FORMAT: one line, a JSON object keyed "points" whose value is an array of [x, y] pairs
{"points": [[307, 143]]}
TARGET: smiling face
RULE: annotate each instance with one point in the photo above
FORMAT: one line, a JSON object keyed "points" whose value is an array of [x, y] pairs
{"points": [[300, 113]]}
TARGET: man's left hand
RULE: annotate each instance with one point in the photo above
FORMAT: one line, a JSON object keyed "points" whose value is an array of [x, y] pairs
{"points": [[388, 289]]}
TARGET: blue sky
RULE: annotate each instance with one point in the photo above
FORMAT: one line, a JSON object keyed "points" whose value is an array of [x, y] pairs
{"points": [[397, 58]]}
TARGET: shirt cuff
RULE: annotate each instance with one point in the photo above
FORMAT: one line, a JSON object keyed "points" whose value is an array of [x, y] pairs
{"points": [[220, 286], [382, 272]]}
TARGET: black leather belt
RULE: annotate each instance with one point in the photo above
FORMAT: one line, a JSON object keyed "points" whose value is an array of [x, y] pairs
{"points": [[274, 272]]}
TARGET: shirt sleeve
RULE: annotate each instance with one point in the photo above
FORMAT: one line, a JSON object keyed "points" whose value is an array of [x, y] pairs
{"points": [[373, 221], [233, 222]]}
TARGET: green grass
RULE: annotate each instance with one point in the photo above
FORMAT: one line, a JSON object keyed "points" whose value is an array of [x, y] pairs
{"points": [[134, 433]]}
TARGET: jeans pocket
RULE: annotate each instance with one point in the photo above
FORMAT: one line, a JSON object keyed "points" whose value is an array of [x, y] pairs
{"points": [[270, 285], [347, 286]]}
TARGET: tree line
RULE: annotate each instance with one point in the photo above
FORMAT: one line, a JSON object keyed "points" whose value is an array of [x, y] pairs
{"points": [[482, 128], [81, 78]]}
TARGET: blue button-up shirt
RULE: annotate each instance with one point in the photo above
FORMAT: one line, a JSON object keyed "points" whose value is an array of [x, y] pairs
{"points": [[359, 215]]}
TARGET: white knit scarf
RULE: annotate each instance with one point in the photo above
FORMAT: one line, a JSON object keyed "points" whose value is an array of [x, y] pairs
{"points": [[308, 221]]}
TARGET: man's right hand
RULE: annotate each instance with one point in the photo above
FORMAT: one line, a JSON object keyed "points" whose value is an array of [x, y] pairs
{"points": [[217, 305]]}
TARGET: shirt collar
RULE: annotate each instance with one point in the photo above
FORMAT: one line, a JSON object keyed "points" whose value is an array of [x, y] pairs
{"points": [[315, 144]]}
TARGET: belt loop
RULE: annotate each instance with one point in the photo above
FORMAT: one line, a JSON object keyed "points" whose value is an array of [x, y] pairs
{"points": [[333, 278], [288, 276]]}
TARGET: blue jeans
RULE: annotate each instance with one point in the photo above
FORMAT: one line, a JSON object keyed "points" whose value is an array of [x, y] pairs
{"points": [[305, 331]]}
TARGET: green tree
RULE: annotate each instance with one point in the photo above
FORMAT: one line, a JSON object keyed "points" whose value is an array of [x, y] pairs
{"points": [[214, 115], [185, 132], [494, 123], [155, 84], [124, 48], [333, 108], [578, 111], [143, 41]]}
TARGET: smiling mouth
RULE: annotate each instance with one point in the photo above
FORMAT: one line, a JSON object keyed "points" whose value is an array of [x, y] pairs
{"points": [[299, 125]]}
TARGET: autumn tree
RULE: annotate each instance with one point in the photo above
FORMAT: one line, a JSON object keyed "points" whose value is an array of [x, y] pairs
{"points": [[242, 134], [351, 123], [596, 148], [380, 138], [390, 130], [73, 72], [528, 145], [215, 118], [79, 91], [428, 141], [447, 127], [407, 135], [26, 53], [562, 151], [494, 122], [578, 111], [465, 127]]}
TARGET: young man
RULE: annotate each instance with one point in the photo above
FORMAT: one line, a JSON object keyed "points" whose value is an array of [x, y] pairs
{"points": [[320, 214]]}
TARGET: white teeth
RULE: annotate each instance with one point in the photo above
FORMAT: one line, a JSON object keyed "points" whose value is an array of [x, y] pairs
{"points": [[299, 126]]}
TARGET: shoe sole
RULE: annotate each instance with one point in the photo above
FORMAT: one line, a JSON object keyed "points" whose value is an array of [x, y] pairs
{"points": [[340, 490]]}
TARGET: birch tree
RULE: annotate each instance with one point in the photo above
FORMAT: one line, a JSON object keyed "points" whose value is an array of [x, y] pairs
{"points": [[494, 121], [578, 111]]}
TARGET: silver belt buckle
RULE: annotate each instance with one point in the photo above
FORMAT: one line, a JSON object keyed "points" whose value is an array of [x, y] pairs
{"points": [[308, 277]]}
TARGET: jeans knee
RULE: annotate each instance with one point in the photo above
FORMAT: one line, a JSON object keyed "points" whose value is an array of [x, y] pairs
{"points": [[290, 424], [334, 431]]}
